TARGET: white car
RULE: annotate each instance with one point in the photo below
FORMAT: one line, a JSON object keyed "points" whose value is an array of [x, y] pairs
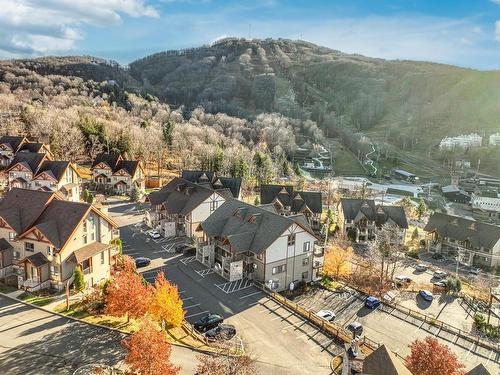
{"points": [[326, 315], [440, 274], [403, 279], [421, 267], [153, 233]]}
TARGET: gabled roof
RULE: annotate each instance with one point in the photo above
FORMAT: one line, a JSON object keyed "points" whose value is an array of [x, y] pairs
{"points": [[4, 244], [37, 259], [180, 196], [110, 159], [383, 362], [455, 227], [377, 213], [247, 227], [296, 200], [479, 370], [216, 182], [90, 250], [54, 167], [128, 165], [21, 207], [33, 147], [32, 160], [14, 142]]}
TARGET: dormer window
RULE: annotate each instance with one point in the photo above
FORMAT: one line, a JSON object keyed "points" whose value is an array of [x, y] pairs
{"points": [[291, 239]]}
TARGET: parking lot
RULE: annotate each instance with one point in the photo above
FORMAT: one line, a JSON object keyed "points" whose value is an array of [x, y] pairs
{"points": [[394, 328], [282, 342]]}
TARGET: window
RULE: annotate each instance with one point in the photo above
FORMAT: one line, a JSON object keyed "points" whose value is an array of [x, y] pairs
{"points": [[305, 261], [213, 205], [50, 250], [85, 238], [260, 256], [279, 269], [85, 226], [17, 254], [12, 236], [291, 239], [92, 236], [307, 246], [28, 246], [54, 270], [102, 257], [305, 275]]}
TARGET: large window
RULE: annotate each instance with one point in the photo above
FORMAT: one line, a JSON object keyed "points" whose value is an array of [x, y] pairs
{"points": [[102, 257], [279, 269], [307, 246], [305, 275], [305, 261], [28, 246], [291, 239], [12, 236]]}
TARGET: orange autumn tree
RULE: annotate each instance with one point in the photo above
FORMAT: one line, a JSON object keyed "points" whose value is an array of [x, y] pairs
{"points": [[148, 352], [429, 357], [166, 304], [337, 260], [128, 295]]}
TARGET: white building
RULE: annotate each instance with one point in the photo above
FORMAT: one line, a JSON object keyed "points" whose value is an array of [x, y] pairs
{"points": [[462, 141], [487, 204], [495, 139]]}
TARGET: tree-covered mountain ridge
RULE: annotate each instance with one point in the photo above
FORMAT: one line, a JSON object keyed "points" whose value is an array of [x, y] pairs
{"points": [[408, 103]]}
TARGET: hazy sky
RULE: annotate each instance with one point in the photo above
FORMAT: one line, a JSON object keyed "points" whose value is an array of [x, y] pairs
{"points": [[459, 32]]}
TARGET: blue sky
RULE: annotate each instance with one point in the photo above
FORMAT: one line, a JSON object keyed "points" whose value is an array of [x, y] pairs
{"points": [[459, 32]]}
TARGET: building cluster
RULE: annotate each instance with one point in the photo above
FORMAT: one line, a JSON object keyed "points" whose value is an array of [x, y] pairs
{"points": [[495, 139], [45, 230], [472, 140]]}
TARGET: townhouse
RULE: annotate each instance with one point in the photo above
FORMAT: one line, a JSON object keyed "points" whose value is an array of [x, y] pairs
{"points": [[37, 171], [43, 238], [11, 145], [113, 172], [179, 207], [288, 201], [362, 218], [212, 181], [240, 240], [475, 243]]}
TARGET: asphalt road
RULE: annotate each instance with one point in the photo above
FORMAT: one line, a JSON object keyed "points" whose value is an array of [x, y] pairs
{"points": [[36, 342], [281, 341]]}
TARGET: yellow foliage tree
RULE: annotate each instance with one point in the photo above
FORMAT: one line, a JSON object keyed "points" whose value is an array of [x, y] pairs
{"points": [[166, 305], [337, 261]]}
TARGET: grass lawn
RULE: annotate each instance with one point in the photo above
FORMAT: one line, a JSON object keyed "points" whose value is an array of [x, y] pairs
{"points": [[6, 289], [345, 163], [36, 300]]}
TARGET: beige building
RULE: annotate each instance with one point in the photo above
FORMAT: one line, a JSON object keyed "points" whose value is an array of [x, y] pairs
{"points": [[112, 172], [10, 146], [43, 238]]}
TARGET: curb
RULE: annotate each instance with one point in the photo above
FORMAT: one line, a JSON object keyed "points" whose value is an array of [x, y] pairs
{"points": [[93, 324]]}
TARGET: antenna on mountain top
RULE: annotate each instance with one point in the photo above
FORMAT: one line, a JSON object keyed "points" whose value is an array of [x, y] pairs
{"points": [[249, 31]]}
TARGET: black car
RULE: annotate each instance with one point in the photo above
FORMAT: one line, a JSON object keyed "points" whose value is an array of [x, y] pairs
{"points": [[221, 332], [183, 248], [208, 322], [142, 262]]}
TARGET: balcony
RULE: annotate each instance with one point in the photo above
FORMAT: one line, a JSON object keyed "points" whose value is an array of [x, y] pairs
{"points": [[318, 263], [319, 251]]}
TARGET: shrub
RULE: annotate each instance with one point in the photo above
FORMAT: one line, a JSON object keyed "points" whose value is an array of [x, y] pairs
{"points": [[423, 243], [413, 253], [78, 283]]}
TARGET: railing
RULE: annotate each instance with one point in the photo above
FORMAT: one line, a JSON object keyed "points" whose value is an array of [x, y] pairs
{"points": [[28, 285]]}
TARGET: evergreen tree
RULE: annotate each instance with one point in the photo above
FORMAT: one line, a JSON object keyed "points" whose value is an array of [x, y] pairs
{"points": [[421, 209], [414, 235], [257, 201], [168, 129], [78, 283]]}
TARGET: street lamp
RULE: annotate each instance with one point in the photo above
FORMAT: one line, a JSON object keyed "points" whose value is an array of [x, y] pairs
{"points": [[458, 261]]}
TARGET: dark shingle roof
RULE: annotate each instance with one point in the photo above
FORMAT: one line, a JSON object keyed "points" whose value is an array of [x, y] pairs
{"points": [[57, 168], [129, 165], [377, 213], [110, 159], [4, 244], [31, 159], [90, 250], [216, 182], [21, 207], [37, 259], [180, 196], [296, 200], [247, 227], [383, 362], [455, 227], [14, 141], [478, 370], [31, 147]]}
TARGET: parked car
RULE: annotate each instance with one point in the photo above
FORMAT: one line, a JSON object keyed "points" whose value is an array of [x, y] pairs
{"points": [[221, 333], [425, 294], [153, 233], [326, 315], [402, 279], [440, 284], [440, 274], [142, 262], [208, 322], [475, 271], [372, 302], [356, 328], [181, 247], [421, 267], [437, 256]]}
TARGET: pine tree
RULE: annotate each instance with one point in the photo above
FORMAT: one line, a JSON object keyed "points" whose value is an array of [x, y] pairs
{"points": [[414, 235], [78, 283], [421, 209]]}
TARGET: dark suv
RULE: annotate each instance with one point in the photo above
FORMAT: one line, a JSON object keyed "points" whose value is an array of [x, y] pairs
{"points": [[208, 322]]}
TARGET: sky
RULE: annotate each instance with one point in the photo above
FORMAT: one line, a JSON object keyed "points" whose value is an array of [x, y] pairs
{"points": [[459, 32]]}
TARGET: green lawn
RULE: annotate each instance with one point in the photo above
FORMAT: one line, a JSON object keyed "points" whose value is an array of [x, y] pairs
{"points": [[6, 289], [345, 163], [35, 300]]}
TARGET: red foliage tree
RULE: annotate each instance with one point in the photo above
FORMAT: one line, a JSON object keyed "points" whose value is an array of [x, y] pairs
{"points": [[128, 295], [149, 352], [429, 357]]}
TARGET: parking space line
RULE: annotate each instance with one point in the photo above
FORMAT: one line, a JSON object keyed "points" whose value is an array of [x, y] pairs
{"points": [[302, 322], [270, 310], [251, 294], [419, 327], [191, 306], [186, 298], [190, 316]]}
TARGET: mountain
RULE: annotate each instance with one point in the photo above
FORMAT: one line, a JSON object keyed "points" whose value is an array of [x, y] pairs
{"points": [[404, 105]]}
